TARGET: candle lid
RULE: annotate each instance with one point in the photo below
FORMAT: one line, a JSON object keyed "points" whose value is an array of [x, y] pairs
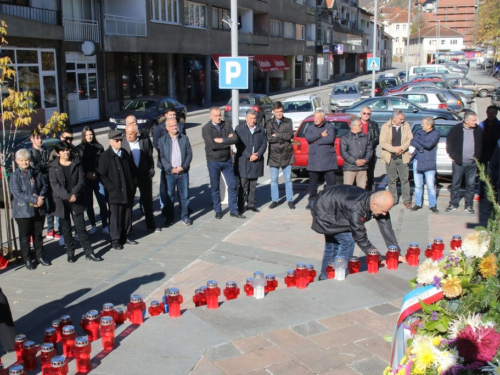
{"points": [[438, 240], [16, 370], [106, 321], [56, 323], [392, 249], [82, 341], [57, 361], [108, 307], [174, 292], [310, 267], [353, 259], [197, 291], [270, 277], [429, 246], [331, 264], [249, 280], [68, 330], [47, 347], [373, 252], [65, 318], [203, 288], [91, 315], [258, 275], [456, 237], [153, 304], [212, 284], [119, 310], [301, 266], [134, 298], [28, 344], [413, 245], [50, 331], [20, 338], [290, 273], [167, 291], [231, 284], [339, 259]]}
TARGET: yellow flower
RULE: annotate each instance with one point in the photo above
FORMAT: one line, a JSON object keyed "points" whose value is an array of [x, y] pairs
{"points": [[436, 340], [488, 266], [425, 358], [451, 286]]}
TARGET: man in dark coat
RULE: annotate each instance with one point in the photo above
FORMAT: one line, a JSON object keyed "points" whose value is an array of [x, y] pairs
{"points": [[67, 181], [140, 148], [249, 162], [464, 143], [279, 132], [370, 128], [425, 141], [322, 158], [115, 169], [340, 213], [219, 137]]}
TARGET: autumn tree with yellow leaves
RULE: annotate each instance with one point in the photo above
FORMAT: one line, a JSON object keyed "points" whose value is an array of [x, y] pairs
{"points": [[488, 24]]}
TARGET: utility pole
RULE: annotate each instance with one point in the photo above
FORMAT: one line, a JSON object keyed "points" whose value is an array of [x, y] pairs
{"points": [[408, 41], [419, 48], [234, 53], [374, 54]]}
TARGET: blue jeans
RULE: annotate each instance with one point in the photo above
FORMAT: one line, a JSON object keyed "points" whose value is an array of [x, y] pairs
{"points": [[92, 187], [287, 174], [182, 183], [337, 245], [215, 168], [418, 178]]}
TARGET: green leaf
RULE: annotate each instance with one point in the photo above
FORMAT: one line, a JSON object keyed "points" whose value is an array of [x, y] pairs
{"points": [[388, 338], [413, 283]]}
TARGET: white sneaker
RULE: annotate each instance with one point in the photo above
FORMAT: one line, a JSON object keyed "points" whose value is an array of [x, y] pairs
{"points": [[93, 229], [61, 241], [105, 230]]}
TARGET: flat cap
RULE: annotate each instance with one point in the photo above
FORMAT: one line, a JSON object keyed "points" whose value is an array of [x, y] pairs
{"points": [[115, 134]]}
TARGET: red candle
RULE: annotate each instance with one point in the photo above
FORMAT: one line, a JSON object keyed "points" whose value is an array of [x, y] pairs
{"points": [[412, 254], [203, 295], [248, 288], [372, 261], [196, 298], [212, 294], [428, 251], [271, 283], [82, 354], [392, 258], [120, 316], [3, 262], [17, 370], [354, 265], [136, 309], [174, 301], [68, 337], [48, 351], [437, 249], [108, 309], [156, 308], [312, 273], [301, 276], [29, 355], [18, 347], [290, 279], [231, 291], [107, 331], [456, 242], [330, 270], [92, 325], [66, 320], [58, 365]]}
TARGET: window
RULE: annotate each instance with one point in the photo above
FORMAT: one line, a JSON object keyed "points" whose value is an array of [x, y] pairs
{"points": [[432, 42], [404, 27], [219, 14], [397, 39], [454, 41], [397, 27], [166, 11], [289, 31], [443, 41], [195, 15], [300, 32], [276, 28]]}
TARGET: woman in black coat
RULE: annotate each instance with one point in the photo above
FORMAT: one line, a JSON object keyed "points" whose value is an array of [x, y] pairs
{"points": [[29, 187], [67, 180], [90, 151]]}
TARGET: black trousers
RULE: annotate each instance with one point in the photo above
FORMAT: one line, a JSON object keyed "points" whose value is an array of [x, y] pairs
{"points": [[7, 329], [29, 227], [145, 186], [247, 187], [371, 172], [83, 237], [120, 222], [329, 177]]}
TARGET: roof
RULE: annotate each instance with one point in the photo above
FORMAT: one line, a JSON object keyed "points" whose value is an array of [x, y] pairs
{"points": [[398, 16], [364, 11], [432, 31]]}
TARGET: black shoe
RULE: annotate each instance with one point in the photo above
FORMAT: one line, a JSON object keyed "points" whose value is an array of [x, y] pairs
{"points": [[434, 210], [469, 210], [308, 207], [71, 258], [273, 205], [93, 257], [291, 205], [218, 215], [451, 208], [116, 245], [168, 223], [43, 262], [29, 266], [416, 208], [254, 209], [237, 215], [131, 242], [320, 277]]}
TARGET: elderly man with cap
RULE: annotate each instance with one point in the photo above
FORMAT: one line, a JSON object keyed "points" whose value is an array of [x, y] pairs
{"points": [[115, 169]]}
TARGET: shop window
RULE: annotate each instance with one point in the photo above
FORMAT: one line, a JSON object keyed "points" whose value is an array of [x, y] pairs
{"points": [[48, 61], [195, 15]]}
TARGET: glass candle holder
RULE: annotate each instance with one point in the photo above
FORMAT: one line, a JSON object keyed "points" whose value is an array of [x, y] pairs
{"points": [[311, 273], [107, 332], [120, 315], [66, 320], [212, 294], [428, 251], [301, 276], [203, 295], [271, 283], [58, 365], [108, 309], [164, 300], [372, 261], [412, 254], [174, 301], [354, 265], [290, 278], [248, 288], [340, 266], [47, 352], [392, 258], [437, 249], [136, 309], [456, 242], [155, 308], [68, 336], [92, 325], [81, 352], [17, 369], [330, 270], [29, 355], [18, 347], [56, 324], [231, 291], [258, 283]]}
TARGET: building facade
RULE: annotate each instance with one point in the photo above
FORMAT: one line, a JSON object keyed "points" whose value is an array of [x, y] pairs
{"points": [[432, 41]]}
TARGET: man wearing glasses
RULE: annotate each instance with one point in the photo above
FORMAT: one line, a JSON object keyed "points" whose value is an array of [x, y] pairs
{"points": [[370, 128], [67, 137], [115, 169]]}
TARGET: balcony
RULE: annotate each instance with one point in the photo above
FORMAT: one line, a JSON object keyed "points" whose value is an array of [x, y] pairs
{"points": [[249, 38], [31, 13], [80, 30], [124, 26]]}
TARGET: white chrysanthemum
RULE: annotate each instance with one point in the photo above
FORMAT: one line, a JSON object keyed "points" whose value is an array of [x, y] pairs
{"points": [[446, 359], [427, 271], [473, 320], [491, 368], [476, 244]]}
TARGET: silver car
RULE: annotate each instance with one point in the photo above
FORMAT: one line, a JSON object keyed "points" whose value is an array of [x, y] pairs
{"points": [[343, 96], [425, 99], [456, 100]]}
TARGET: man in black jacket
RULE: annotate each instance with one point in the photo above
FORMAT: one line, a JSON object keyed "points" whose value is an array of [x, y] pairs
{"points": [[219, 137], [340, 213], [115, 169], [139, 146], [464, 143], [370, 128]]}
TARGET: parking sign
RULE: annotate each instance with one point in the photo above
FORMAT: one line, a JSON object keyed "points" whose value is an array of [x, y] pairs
{"points": [[233, 73]]}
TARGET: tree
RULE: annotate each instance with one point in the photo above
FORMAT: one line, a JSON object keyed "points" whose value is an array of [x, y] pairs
{"points": [[488, 24], [418, 21], [16, 110]]}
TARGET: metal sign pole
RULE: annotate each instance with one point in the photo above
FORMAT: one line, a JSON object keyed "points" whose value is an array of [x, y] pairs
{"points": [[234, 53], [374, 54]]}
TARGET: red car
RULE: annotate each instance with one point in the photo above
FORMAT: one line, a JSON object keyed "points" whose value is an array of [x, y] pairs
{"points": [[301, 147]]}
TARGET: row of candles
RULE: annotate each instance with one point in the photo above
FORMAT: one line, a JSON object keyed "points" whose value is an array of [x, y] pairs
{"points": [[102, 324]]}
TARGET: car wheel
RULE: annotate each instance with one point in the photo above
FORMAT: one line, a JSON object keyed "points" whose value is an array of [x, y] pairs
{"points": [[152, 128], [483, 93]]}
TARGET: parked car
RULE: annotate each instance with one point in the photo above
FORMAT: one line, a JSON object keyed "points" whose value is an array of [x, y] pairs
{"points": [[426, 69], [261, 103], [443, 161], [402, 75], [365, 88], [344, 95], [456, 100], [299, 107], [301, 146], [149, 112], [482, 90], [382, 109], [459, 69], [391, 81], [425, 99]]}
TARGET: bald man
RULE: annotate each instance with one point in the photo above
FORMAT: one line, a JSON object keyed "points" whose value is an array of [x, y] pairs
{"points": [[340, 213]]}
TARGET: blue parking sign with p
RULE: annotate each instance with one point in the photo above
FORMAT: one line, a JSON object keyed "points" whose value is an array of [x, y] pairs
{"points": [[233, 73]]}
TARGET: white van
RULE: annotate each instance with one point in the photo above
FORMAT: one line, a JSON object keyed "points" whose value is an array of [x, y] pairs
{"points": [[427, 69]]}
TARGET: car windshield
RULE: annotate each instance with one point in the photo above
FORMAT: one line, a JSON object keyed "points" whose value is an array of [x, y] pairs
{"points": [[344, 89], [341, 128], [140, 105], [298, 106], [365, 85], [244, 101], [441, 128]]}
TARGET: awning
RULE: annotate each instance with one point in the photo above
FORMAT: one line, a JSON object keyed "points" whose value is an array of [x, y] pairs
{"points": [[269, 63], [215, 57]]}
